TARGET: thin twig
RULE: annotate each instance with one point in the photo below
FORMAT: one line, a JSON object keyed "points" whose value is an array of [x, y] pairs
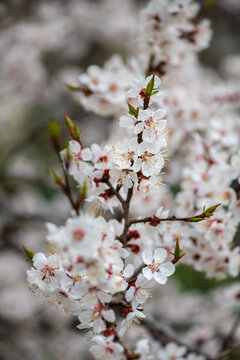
{"points": [[157, 220], [127, 224], [115, 192], [227, 352], [66, 188]]}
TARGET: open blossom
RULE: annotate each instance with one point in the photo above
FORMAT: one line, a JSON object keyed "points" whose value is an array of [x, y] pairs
{"points": [[95, 316], [104, 90], [76, 160], [139, 89], [150, 160], [143, 348], [46, 273], [124, 153], [125, 178], [148, 122], [152, 126], [172, 351], [157, 268], [139, 291], [133, 315], [107, 348]]}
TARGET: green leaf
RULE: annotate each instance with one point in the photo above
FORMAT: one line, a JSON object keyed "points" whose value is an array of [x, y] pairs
{"points": [[56, 177], [28, 252], [132, 110], [197, 219], [54, 129], [77, 133], [209, 212], [154, 92], [135, 356], [150, 86], [72, 87], [177, 251]]}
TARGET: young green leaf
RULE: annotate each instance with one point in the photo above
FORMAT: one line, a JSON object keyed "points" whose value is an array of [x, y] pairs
{"points": [[197, 219], [209, 212], [30, 254], [177, 251], [150, 86], [77, 133], [68, 122], [72, 87], [132, 110]]}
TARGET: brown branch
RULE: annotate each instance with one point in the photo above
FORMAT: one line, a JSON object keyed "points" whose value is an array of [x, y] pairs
{"points": [[127, 224], [115, 192], [155, 220], [65, 187]]}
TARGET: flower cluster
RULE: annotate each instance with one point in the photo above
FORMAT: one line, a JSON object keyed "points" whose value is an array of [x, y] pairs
{"points": [[88, 275], [103, 271]]}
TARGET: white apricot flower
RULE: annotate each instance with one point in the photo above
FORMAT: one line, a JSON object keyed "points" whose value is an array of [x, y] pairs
{"points": [[157, 268]]}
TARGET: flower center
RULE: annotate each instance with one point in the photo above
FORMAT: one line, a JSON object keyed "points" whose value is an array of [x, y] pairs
{"points": [[154, 267]]}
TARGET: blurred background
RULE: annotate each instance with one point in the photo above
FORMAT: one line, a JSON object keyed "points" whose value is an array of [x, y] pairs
{"points": [[43, 45]]}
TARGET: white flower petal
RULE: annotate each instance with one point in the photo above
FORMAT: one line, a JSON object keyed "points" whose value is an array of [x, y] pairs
{"points": [[126, 122], [147, 256], [104, 297], [130, 293], [74, 147], [147, 273], [109, 315], [159, 114], [149, 135], [99, 325], [85, 317], [86, 154], [138, 128], [160, 278], [128, 271], [39, 260], [144, 115], [160, 255], [167, 269]]}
